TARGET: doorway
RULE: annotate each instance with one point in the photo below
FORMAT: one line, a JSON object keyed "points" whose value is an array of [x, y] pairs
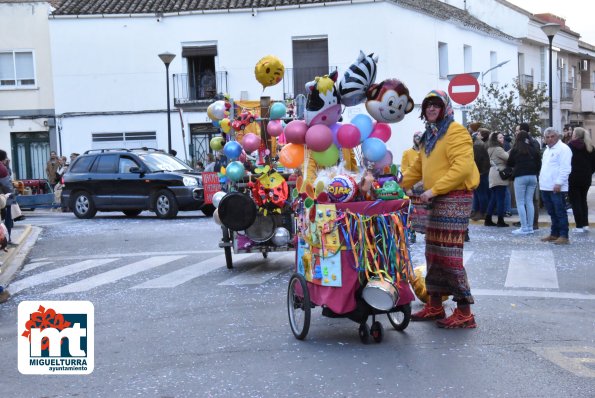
{"points": [[31, 151]]}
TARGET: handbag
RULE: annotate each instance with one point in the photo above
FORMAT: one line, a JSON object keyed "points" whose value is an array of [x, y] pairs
{"points": [[505, 173]]}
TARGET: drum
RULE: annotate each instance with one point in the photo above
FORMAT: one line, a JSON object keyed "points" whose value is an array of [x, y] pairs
{"points": [[380, 294], [262, 229], [237, 211]]}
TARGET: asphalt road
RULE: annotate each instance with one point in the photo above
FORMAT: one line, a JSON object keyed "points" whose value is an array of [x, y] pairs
{"points": [[172, 321]]}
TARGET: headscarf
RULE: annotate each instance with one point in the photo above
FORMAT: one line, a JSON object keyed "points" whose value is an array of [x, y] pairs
{"points": [[435, 131]]}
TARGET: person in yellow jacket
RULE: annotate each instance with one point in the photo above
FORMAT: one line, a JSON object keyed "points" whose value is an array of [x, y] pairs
{"points": [[410, 154], [447, 168]]}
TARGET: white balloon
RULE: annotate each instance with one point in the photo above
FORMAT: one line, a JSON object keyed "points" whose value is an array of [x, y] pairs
{"points": [[281, 236], [219, 109], [216, 217], [217, 198]]}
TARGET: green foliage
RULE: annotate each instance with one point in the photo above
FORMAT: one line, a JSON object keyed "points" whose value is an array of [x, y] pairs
{"points": [[502, 108]]}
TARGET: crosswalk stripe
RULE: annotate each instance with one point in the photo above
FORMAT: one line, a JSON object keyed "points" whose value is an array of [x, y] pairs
{"points": [[532, 268], [33, 266], [57, 273], [185, 274], [261, 273], [115, 274]]}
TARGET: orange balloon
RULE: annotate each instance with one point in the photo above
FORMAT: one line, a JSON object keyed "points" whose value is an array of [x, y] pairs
{"points": [[292, 155]]}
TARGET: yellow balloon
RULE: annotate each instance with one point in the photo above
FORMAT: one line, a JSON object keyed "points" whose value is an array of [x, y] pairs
{"points": [[269, 71], [225, 125], [222, 171]]}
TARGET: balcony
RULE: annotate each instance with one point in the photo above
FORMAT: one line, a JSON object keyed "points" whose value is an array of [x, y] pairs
{"points": [[295, 79], [566, 92], [526, 82], [196, 90]]}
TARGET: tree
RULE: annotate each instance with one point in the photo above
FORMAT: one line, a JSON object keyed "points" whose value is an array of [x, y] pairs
{"points": [[502, 108]]}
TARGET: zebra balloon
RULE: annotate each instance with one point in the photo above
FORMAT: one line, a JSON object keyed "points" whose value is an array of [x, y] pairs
{"points": [[358, 79]]}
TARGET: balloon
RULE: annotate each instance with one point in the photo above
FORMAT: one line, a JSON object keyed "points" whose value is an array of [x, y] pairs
{"points": [[225, 125], [219, 109], [217, 196], [342, 188], [334, 129], [216, 217], [278, 110], [389, 101], [269, 71], [295, 132], [373, 149], [319, 137], [281, 236], [382, 131], [328, 157], [232, 150], [274, 128], [217, 143], [292, 155], [250, 142], [348, 136], [322, 105], [235, 171], [357, 79], [387, 160], [364, 124]]}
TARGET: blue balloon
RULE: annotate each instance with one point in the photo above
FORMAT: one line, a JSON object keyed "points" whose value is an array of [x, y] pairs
{"points": [[232, 150], [278, 110], [235, 171], [374, 149], [365, 125], [216, 123]]}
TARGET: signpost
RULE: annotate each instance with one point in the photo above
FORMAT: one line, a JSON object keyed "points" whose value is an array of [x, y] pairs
{"points": [[463, 89]]}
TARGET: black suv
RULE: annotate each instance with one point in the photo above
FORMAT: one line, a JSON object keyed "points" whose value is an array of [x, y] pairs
{"points": [[132, 180]]}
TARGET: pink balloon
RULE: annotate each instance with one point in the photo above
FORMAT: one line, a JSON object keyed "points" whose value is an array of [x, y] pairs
{"points": [[319, 137], [243, 157], [382, 131], [348, 136], [387, 160], [275, 128], [295, 132], [250, 142]]}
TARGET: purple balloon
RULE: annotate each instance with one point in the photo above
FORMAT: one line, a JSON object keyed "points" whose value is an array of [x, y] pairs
{"points": [[319, 137], [295, 132], [334, 129], [348, 136], [250, 142]]}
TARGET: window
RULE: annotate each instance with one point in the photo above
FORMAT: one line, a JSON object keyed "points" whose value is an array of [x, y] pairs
{"points": [[17, 69], [124, 140], [542, 64], [107, 164], [443, 60], [82, 164], [126, 164], [493, 63], [468, 59], [310, 59], [202, 82], [573, 76]]}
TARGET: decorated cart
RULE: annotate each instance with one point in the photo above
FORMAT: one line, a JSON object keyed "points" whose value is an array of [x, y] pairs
{"points": [[339, 204]]}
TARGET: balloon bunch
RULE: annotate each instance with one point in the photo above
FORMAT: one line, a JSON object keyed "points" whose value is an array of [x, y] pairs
{"points": [[218, 112]]}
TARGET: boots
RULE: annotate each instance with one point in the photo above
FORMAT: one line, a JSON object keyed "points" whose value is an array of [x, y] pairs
{"points": [[501, 222], [488, 221]]}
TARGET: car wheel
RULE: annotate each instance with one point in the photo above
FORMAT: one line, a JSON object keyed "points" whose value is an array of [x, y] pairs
{"points": [[83, 206], [208, 210], [132, 213], [165, 204]]}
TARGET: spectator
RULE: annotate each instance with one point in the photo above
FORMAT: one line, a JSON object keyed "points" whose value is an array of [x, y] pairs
{"points": [[410, 154], [200, 166], [52, 167], [73, 156], [498, 158], [481, 194], [6, 188], [579, 181], [553, 180], [210, 163]]}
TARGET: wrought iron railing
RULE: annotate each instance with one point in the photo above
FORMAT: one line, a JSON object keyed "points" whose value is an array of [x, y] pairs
{"points": [[295, 79], [191, 88], [526, 81], [566, 92]]}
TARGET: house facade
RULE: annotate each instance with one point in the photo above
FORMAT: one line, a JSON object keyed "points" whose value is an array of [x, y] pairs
{"points": [[110, 85], [27, 128]]}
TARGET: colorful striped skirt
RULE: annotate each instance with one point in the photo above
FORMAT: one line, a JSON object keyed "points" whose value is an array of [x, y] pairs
{"points": [[445, 235]]}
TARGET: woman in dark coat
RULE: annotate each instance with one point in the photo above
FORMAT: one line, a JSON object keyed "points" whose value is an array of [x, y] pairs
{"points": [[579, 181]]}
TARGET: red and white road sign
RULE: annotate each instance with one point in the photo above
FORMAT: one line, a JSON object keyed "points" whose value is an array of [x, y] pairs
{"points": [[463, 89]]}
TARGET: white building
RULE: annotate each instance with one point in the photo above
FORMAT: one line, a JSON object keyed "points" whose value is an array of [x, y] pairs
{"points": [[109, 82]]}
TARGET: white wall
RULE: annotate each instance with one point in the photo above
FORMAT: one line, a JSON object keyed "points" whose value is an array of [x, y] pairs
{"points": [[118, 68]]}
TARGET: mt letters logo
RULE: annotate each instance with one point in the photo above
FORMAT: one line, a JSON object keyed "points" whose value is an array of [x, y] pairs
{"points": [[56, 337]]}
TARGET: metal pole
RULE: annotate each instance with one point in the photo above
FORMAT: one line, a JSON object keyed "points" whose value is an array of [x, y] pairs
{"points": [[168, 112], [551, 38]]}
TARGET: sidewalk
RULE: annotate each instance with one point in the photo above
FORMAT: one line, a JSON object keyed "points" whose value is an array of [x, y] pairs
{"points": [[11, 260]]}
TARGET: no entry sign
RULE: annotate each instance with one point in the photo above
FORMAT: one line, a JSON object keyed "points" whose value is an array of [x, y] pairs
{"points": [[463, 89]]}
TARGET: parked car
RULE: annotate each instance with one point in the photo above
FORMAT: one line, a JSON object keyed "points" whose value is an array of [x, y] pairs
{"points": [[130, 181]]}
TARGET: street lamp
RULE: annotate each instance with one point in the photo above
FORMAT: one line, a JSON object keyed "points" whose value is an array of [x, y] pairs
{"points": [[550, 30], [492, 68], [167, 58]]}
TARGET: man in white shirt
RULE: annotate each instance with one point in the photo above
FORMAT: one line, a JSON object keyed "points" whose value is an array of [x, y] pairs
{"points": [[553, 183]]}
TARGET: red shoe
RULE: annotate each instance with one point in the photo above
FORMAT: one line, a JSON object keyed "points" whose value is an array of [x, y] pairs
{"points": [[428, 313], [458, 320]]}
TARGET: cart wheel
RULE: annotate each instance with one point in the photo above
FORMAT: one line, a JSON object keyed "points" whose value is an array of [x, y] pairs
{"points": [[265, 254], [364, 333], [377, 331], [401, 317], [227, 249], [298, 306]]}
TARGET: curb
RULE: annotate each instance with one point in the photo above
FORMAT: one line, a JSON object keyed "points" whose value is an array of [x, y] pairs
{"points": [[15, 257]]}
